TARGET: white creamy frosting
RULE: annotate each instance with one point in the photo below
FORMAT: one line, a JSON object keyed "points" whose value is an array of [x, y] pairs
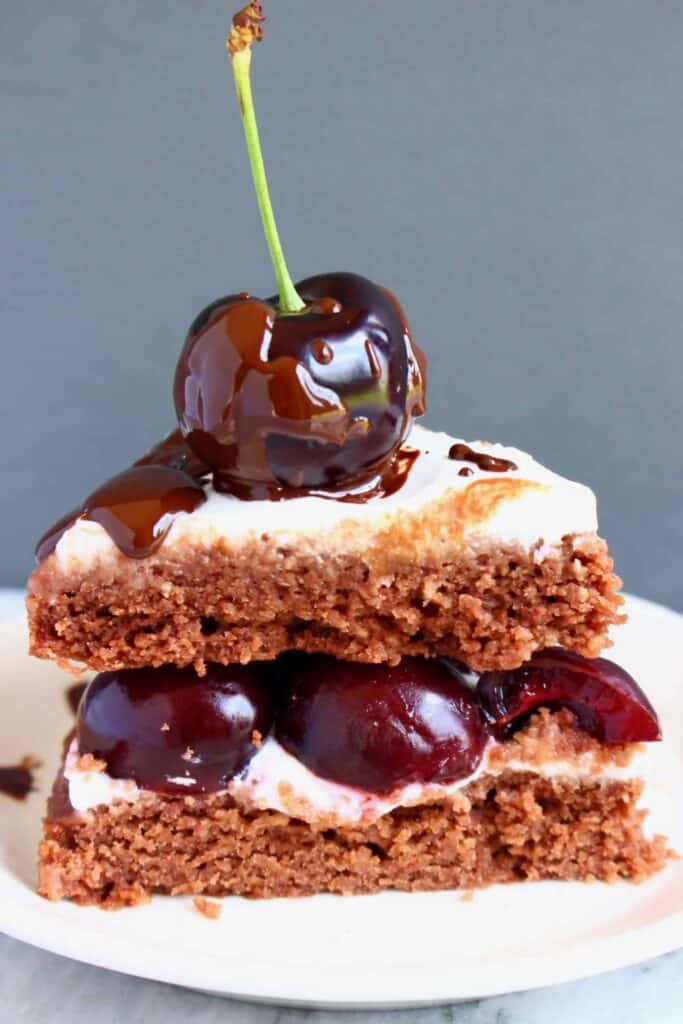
{"points": [[546, 513], [275, 780]]}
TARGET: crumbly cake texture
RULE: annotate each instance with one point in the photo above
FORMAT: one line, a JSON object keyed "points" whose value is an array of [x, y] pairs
{"points": [[488, 604], [512, 826], [506, 828]]}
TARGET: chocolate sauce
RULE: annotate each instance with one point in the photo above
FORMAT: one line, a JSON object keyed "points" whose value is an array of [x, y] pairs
{"points": [[17, 780], [322, 352], [463, 453], [465, 471], [51, 538], [326, 306], [173, 451], [73, 696], [416, 402], [281, 404], [387, 483], [146, 492], [373, 361], [136, 508]]}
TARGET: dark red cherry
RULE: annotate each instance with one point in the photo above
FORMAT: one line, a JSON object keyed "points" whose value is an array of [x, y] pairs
{"points": [[321, 399], [606, 700], [172, 730], [379, 726]]}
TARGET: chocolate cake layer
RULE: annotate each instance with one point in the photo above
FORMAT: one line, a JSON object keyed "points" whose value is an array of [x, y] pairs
{"points": [[490, 605], [510, 827]]}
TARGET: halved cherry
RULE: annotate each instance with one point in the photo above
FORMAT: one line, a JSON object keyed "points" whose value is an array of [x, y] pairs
{"points": [[606, 700]]}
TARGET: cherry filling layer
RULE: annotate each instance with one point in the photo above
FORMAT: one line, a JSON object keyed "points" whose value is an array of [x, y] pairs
{"points": [[372, 727]]}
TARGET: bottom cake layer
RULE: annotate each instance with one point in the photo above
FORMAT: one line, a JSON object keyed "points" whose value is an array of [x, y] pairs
{"points": [[511, 826]]}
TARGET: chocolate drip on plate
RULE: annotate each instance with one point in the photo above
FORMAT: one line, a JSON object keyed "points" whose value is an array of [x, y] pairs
{"points": [[17, 780]]}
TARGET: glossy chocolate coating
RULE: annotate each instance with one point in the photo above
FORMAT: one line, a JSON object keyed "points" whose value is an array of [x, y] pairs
{"points": [[281, 404], [137, 507], [460, 452], [174, 452], [173, 731], [377, 727]]}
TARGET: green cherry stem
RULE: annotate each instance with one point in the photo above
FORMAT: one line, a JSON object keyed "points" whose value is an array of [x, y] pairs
{"points": [[290, 300]]}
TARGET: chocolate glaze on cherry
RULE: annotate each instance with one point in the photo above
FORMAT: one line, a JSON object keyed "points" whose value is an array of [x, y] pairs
{"points": [[378, 727], [173, 451], [173, 731], [606, 700], [282, 404]]}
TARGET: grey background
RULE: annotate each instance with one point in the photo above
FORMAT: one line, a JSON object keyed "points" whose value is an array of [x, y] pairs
{"points": [[512, 169]]}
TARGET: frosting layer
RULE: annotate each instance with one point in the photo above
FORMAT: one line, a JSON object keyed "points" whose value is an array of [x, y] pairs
{"points": [[274, 780], [528, 506]]}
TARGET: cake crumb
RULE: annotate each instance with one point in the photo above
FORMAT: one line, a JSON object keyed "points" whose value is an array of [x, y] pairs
{"points": [[165, 727], [88, 763], [207, 908], [292, 599], [257, 739], [29, 762], [189, 754], [467, 896]]}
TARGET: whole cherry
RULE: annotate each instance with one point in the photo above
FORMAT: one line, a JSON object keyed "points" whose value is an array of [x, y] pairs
{"points": [[314, 389], [173, 731], [379, 726], [315, 399]]}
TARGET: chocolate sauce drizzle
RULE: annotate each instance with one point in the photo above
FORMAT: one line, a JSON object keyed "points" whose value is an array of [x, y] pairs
{"points": [[137, 507], [387, 483], [17, 781], [489, 463]]}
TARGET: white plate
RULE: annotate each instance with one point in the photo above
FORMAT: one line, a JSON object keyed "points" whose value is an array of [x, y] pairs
{"points": [[388, 950]]}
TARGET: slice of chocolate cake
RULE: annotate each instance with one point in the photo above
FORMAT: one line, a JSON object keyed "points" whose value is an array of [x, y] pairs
{"points": [[337, 652], [363, 778]]}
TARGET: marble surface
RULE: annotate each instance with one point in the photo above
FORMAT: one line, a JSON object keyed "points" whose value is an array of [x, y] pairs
{"points": [[36, 986]]}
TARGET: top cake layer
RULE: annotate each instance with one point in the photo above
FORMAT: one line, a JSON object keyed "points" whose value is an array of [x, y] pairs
{"points": [[485, 565]]}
